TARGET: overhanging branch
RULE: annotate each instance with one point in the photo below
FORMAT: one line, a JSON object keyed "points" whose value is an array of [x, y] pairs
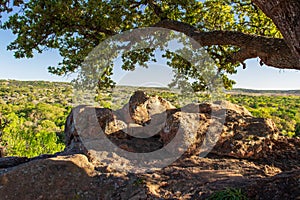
{"points": [[272, 51]]}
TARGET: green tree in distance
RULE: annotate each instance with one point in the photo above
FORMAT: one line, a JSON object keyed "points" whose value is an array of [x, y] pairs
{"points": [[230, 30]]}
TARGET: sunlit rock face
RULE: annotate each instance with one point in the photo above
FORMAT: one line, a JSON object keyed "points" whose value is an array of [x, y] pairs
{"points": [[148, 123]]}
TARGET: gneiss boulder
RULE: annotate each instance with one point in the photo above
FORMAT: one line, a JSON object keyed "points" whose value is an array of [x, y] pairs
{"points": [[66, 177], [146, 124]]}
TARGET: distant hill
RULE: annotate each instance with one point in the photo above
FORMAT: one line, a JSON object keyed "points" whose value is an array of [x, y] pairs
{"points": [[263, 92], [39, 84], [47, 84]]}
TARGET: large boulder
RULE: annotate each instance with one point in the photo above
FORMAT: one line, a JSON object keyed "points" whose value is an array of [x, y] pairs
{"points": [[148, 123], [66, 177], [143, 108]]}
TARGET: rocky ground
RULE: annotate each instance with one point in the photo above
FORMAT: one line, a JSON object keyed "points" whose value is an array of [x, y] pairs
{"points": [[209, 148]]}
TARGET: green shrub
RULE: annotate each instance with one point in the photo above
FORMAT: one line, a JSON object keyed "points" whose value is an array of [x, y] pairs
{"points": [[25, 139], [228, 194]]}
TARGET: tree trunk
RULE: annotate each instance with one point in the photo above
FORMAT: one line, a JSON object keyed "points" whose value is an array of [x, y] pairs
{"points": [[286, 16]]}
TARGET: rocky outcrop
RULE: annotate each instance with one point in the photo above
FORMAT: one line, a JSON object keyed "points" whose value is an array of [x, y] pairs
{"points": [[217, 145], [231, 129]]}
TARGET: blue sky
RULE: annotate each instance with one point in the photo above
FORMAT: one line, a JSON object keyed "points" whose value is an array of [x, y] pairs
{"points": [[253, 77]]}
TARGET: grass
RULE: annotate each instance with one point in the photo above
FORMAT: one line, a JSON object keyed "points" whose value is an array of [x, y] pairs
{"points": [[228, 194]]}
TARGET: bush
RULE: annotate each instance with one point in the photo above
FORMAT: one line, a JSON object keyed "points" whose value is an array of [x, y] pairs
{"points": [[228, 194]]}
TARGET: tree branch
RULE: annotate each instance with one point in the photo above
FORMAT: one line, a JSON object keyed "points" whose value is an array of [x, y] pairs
{"points": [[272, 51], [157, 10]]}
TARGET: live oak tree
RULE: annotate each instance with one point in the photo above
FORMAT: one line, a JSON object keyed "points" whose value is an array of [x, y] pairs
{"points": [[232, 31]]}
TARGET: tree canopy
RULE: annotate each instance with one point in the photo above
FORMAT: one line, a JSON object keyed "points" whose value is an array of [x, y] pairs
{"points": [[232, 31]]}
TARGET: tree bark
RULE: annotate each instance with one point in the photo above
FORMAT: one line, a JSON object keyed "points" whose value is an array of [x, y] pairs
{"points": [[286, 16], [272, 51]]}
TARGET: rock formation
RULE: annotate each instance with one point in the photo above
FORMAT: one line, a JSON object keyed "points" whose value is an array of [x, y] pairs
{"points": [[218, 145]]}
